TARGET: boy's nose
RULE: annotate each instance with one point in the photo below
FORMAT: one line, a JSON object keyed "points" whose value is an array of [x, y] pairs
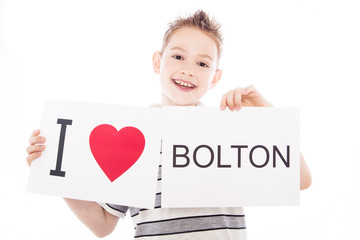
{"points": [[187, 72], [187, 69]]}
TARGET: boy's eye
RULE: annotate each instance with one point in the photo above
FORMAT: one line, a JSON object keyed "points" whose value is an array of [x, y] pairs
{"points": [[177, 57], [201, 64]]}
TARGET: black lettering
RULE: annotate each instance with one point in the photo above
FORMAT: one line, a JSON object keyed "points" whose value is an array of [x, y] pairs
{"points": [[287, 161], [211, 160], [175, 155], [251, 156], [239, 147], [219, 159], [57, 171]]}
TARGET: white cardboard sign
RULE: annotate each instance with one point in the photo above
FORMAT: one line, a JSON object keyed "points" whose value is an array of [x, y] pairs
{"points": [[99, 152], [214, 158], [211, 158]]}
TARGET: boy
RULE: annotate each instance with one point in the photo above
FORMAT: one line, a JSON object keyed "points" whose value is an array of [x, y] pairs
{"points": [[188, 68]]}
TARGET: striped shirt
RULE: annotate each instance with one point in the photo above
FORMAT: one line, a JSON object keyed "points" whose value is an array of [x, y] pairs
{"points": [[183, 223]]}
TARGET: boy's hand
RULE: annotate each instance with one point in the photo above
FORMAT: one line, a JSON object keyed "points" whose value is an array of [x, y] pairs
{"points": [[243, 97], [34, 150]]}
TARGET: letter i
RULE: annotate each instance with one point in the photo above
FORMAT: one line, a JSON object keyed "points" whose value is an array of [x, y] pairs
{"points": [[57, 171]]}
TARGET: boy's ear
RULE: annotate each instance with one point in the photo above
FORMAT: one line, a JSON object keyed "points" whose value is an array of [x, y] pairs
{"points": [[156, 61], [216, 78]]}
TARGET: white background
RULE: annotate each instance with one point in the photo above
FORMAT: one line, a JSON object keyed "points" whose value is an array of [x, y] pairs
{"points": [[297, 53]]}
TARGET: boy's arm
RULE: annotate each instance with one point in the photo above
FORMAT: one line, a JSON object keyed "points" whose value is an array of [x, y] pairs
{"points": [[305, 175], [99, 221], [250, 97]]}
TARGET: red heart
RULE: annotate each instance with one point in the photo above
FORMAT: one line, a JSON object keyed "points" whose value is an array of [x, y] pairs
{"points": [[116, 151]]}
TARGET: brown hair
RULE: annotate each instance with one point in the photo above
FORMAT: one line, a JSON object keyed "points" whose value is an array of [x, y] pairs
{"points": [[199, 20]]}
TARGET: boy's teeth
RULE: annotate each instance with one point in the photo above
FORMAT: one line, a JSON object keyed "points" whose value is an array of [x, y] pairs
{"points": [[181, 83]]}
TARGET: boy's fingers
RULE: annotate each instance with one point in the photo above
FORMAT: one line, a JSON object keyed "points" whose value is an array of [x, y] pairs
{"points": [[32, 157], [35, 148], [35, 132], [238, 97], [230, 100], [36, 139], [248, 89], [223, 102]]}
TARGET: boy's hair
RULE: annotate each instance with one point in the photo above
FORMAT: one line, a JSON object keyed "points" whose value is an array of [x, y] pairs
{"points": [[199, 20]]}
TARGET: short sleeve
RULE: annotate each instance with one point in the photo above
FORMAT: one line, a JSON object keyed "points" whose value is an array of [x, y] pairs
{"points": [[116, 210]]}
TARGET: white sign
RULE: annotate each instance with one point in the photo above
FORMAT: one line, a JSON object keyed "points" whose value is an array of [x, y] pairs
{"points": [[99, 152], [214, 158]]}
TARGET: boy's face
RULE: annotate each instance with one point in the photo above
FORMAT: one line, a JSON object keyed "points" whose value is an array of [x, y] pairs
{"points": [[187, 67]]}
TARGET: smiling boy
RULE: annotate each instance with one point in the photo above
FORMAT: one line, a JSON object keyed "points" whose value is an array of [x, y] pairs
{"points": [[188, 68]]}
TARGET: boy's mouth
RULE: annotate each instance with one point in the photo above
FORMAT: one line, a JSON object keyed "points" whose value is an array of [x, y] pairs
{"points": [[183, 85]]}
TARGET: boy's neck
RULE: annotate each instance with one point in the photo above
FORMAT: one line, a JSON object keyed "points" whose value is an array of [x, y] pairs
{"points": [[167, 102]]}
